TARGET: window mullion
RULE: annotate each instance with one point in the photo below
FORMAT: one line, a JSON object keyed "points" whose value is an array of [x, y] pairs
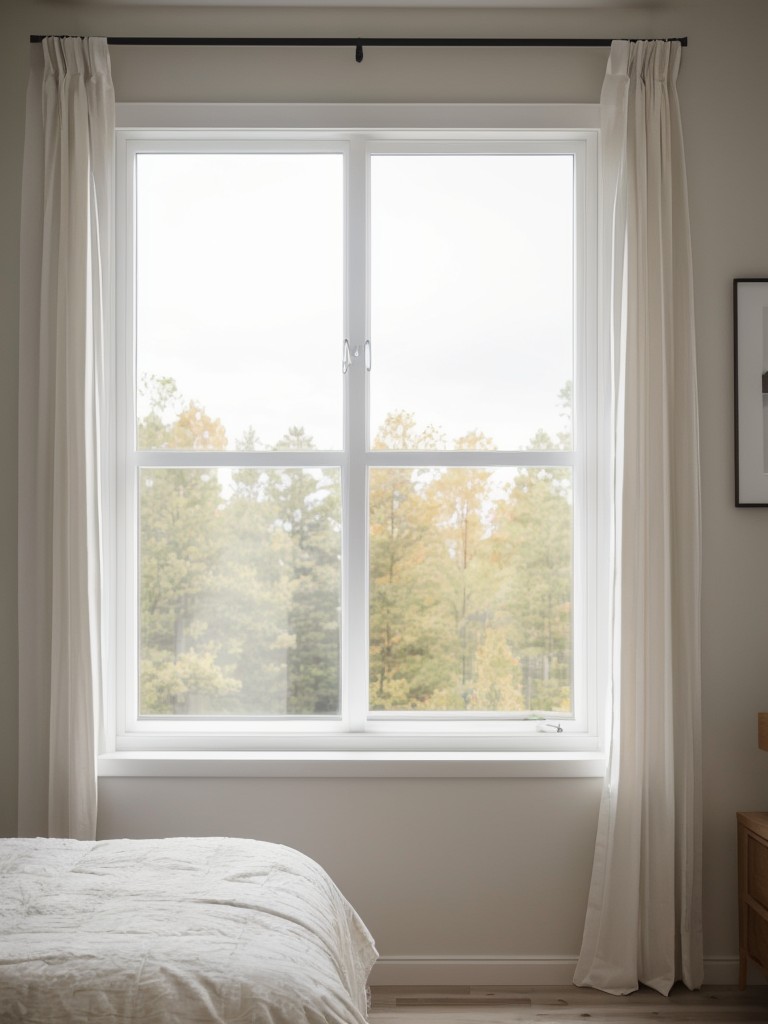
{"points": [[355, 621]]}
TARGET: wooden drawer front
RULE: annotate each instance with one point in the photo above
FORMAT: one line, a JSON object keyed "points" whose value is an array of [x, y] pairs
{"points": [[757, 871], [757, 938]]}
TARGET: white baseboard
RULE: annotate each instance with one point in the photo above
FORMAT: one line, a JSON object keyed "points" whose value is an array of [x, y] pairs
{"points": [[516, 970], [473, 970], [724, 970]]}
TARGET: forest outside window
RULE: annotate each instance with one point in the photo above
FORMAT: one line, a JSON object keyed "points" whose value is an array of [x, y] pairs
{"points": [[357, 438]]}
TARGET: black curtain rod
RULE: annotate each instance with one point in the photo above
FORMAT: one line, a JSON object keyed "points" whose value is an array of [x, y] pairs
{"points": [[357, 43], [347, 41]]}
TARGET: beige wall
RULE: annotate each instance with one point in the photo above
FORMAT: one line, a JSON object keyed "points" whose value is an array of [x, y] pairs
{"points": [[436, 867], [484, 868]]}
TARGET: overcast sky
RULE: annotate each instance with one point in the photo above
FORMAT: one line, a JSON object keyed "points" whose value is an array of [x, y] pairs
{"points": [[240, 289]]}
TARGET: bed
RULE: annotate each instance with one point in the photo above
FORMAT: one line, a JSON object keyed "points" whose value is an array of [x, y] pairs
{"points": [[194, 930]]}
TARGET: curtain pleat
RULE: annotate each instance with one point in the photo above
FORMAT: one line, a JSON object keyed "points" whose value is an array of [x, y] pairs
{"points": [[65, 317], [643, 922]]}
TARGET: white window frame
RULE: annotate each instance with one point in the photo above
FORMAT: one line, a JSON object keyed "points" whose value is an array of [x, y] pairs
{"points": [[571, 128]]}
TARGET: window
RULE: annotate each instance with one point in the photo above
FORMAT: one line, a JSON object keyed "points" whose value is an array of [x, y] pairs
{"points": [[357, 440]]}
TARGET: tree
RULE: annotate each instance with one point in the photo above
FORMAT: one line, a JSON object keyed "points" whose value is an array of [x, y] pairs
{"points": [[533, 552], [179, 547], [462, 504], [249, 596], [470, 582], [403, 599], [498, 680], [306, 507]]}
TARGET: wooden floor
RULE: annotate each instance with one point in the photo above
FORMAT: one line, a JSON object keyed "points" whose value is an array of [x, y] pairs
{"points": [[463, 1005]]}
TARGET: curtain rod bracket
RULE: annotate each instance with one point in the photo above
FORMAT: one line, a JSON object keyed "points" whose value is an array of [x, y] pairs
{"points": [[359, 52]]}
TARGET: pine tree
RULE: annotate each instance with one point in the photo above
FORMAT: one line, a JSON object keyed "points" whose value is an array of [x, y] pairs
{"points": [[306, 507]]}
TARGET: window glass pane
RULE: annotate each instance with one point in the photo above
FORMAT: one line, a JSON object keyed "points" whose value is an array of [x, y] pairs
{"points": [[471, 589], [472, 295], [239, 285], [239, 591]]}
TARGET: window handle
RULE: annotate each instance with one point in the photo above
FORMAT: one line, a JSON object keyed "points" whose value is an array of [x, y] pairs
{"points": [[348, 355]]}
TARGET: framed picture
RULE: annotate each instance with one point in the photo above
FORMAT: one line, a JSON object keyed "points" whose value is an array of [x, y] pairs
{"points": [[750, 378]]}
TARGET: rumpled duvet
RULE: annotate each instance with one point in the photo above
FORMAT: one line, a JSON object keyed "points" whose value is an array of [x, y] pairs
{"points": [[176, 931]]}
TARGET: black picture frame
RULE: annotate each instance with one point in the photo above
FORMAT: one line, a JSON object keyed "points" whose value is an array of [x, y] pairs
{"points": [[750, 390]]}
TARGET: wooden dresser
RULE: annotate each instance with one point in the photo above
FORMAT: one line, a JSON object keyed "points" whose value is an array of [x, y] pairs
{"points": [[753, 890]]}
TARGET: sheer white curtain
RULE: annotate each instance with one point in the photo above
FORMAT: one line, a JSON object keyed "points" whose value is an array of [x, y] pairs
{"points": [[66, 246], [643, 921]]}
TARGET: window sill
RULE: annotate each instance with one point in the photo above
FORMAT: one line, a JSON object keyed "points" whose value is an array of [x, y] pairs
{"points": [[350, 764]]}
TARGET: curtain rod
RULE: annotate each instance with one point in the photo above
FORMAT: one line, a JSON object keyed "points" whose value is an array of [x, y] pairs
{"points": [[357, 43]]}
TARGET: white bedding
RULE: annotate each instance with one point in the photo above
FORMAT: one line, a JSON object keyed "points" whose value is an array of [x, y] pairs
{"points": [[176, 930]]}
